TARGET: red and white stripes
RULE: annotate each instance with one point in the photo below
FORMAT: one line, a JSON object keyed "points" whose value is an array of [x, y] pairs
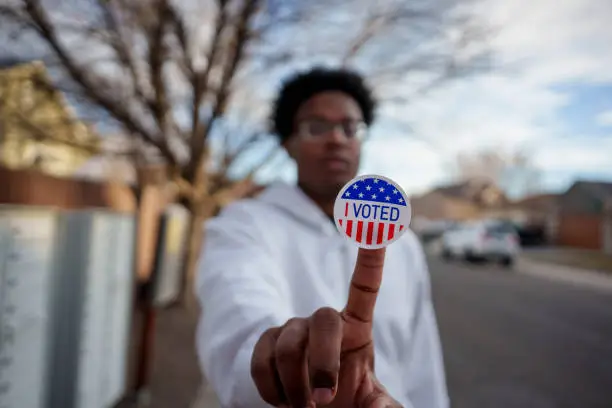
{"points": [[370, 232]]}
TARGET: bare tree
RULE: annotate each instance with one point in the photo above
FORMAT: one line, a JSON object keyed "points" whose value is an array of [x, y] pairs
{"points": [[179, 76], [514, 172]]}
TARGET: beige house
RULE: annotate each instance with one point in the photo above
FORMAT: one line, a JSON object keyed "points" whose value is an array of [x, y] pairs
{"points": [[38, 130], [435, 205]]}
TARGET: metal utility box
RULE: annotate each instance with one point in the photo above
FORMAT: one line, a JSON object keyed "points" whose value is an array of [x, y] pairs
{"points": [[26, 269], [92, 303], [66, 285]]}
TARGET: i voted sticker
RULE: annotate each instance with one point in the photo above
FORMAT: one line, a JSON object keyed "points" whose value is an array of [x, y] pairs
{"points": [[372, 211]]}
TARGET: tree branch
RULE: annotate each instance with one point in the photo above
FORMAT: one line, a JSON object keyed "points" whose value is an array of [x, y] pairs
{"points": [[230, 158], [47, 31], [373, 24], [240, 41], [119, 44], [157, 58], [146, 38], [181, 34], [201, 81], [265, 160]]}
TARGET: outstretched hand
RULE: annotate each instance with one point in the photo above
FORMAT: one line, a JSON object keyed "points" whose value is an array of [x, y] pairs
{"points": [[326, 359]]}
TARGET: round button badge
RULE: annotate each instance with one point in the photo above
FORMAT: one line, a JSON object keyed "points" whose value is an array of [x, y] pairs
{"points": [[372, 211]]}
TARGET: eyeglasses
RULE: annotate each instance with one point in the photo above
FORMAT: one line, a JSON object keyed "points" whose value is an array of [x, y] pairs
{"points": [[317, 129]]}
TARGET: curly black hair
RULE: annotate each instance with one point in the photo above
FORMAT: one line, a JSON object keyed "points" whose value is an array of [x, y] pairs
{"points": [[302, 86]]}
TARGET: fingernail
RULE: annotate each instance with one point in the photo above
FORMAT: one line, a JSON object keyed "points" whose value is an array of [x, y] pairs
{"points": [[322, 395]]}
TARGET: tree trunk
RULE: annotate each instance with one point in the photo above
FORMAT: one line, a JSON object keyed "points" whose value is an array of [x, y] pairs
{"points": [[198, 214]]}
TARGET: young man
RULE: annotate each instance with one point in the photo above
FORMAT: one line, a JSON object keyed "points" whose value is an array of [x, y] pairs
{"points": [[288, 315]]}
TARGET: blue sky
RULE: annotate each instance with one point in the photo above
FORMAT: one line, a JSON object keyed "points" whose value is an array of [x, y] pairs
{"points": [[588, 102], [586, 123]]}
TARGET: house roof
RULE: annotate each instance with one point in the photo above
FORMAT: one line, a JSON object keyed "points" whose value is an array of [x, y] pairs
{"points": [[587, 197], [599, 189]]}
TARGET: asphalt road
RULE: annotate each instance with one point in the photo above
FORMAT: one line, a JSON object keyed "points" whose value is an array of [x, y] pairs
{"points": [[516, 341]]}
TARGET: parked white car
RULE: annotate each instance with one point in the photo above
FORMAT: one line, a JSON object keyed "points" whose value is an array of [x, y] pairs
{"points": [[488, 240]]}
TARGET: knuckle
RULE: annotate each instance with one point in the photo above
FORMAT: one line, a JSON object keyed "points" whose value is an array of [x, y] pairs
{"points": [[325, 313], [291, 322], [293, 330], [291, 341], [326, 317], [287, 351]]}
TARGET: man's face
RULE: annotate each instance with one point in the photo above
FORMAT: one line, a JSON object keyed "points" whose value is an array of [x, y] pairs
{"points": [[326, 143]]}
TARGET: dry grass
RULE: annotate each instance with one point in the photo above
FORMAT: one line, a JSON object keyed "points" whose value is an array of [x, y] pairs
{"points": [[578, 258]]}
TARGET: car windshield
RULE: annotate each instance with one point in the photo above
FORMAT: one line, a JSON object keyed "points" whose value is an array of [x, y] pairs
{"points": [[501, 228]]}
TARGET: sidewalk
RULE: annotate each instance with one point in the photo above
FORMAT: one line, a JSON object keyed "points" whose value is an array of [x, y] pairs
{"points": [[175, 378]]}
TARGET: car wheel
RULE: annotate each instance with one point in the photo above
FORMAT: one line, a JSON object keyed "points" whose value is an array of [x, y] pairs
{"points": [[507, 261], [473, 258], [446, 255]]}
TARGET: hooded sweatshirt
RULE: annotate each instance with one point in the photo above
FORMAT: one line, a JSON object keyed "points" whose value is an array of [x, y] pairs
{"points": [[278, 256]]}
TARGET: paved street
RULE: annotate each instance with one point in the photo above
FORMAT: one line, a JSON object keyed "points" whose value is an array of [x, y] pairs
{"points": [[515, 341], [510, 341]]}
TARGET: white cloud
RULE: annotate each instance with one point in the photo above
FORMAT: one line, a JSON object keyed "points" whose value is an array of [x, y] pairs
{"points": [[590, 157], [604, 118], [540, 44], [485, 111], [412, 164], [556, 41]]}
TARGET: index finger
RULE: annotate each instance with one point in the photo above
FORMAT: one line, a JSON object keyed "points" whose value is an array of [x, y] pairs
{"points": [[365, 284]]}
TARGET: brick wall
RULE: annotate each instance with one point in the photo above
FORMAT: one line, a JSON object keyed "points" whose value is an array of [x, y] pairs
{"points": [[20, 187], [580, 231]]}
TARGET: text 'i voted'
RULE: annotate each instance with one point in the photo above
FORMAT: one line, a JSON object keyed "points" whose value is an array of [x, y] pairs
{"points": [[372, 211]]}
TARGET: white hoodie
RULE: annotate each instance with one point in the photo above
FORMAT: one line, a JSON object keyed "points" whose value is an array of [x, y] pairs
{"points": [[279, 256]]}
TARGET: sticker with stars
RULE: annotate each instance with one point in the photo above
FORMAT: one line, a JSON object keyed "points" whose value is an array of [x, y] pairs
{"points": [[372, 211]]}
